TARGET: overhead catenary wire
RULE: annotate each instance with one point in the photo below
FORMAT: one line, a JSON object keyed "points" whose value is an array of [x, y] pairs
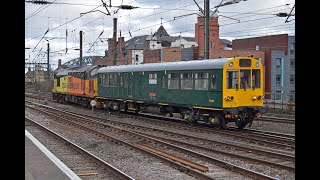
{"points": [[64, 23], [151, 15], [39, 10], [144, 28]]}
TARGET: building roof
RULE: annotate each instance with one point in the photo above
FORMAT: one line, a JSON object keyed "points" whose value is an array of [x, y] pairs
{"points": [[261, 37], [138, 42], [161, 32], [168, 66], [225, 42]]}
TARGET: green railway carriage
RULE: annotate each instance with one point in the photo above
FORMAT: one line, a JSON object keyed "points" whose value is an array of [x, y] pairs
{"points": [[200, 90]]}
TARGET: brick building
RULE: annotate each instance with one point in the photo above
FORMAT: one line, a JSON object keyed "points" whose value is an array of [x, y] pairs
{"points": [[161, 47], [279, 62], [214, 40]]}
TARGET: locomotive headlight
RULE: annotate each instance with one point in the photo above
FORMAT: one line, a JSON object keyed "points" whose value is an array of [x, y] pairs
{"points": [[257, 64], [229, 98], [254, 97], [230, 64]]}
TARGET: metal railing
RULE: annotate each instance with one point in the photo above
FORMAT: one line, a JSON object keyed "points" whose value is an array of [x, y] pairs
{"points": [[280, 101]]}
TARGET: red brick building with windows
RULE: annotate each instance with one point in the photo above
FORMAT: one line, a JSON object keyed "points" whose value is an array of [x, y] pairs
{"points": [[218, 48], [266, 44], [214, 40]]}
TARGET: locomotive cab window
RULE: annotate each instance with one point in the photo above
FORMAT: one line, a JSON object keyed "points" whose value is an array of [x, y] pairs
{"points": [[245, 79], [255, 78], [213, 81], [232, 79], [186, 81]]}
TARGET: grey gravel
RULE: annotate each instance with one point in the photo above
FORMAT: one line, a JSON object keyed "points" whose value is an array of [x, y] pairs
{"points": [[283, 174], [130, 161]]}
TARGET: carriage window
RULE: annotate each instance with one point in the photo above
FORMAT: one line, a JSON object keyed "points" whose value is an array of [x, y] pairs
{"points": [[173, 81], [213, 83], [232, 79], [113, 80], [163, 81], [106, 80], [201, 81], [125, 79], [255, 78], [101, 79], [152, 78], [121, 80], [245, 79], [186, 81]]}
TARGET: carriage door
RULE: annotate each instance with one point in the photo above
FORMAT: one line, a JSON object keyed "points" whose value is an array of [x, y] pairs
{"points": [[152, 86], [120, 89], [140, 85], [129, 89], [125, 78]]}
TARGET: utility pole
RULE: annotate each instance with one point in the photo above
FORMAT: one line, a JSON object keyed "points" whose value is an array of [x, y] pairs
{"points": [[48, 64], [206, 29], [80, 48], [114, 41]]}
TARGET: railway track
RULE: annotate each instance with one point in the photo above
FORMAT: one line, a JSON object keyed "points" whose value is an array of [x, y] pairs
{"points": [[129, 159], [277, 134], [272, 139], [85, 164], [263, 118], [253, 131], [138, 145], [277, 140], [158, 139], [276, 119]]}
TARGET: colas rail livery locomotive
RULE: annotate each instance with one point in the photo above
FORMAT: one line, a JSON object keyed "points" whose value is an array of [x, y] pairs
{"points": [[215, 91]]}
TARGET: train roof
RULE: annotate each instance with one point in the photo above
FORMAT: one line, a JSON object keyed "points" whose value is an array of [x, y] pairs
{"points": [[168, 66], [64, 71], [80, 69]]}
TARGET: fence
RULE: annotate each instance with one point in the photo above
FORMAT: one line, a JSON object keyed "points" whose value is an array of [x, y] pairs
{"points": [[279, 101]]}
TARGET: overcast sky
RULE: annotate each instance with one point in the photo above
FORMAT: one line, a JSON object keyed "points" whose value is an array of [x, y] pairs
{"points": [[245, 19]]}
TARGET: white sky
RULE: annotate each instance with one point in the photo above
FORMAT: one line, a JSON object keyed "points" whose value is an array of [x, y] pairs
{"points": [[256, 19]]}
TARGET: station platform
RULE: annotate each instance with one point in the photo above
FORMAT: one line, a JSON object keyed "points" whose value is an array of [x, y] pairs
{"points": [[40, 163]]}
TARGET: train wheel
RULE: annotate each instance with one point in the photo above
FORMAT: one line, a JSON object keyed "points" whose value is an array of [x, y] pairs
{"points": [[222, 124], [240, 123]]}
